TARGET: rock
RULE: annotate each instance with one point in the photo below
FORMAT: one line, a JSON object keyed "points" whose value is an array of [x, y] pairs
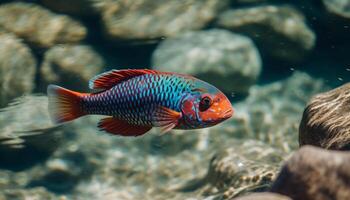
{"points": [[272, 113], [70, 66], [339, 7], [325, 121], [280, 28], [152, 19], [314, 173], [64, 171], [244, 2], [236, 170], [39, 26], [263, 196], [76, 7], [24, 194], [27, 135], [229, 61], [17, 68]]}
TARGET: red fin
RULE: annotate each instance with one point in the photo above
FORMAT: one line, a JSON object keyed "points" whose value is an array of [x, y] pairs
{"points": [[111, 78], [166, 118], [64, 104], [119, 127]]}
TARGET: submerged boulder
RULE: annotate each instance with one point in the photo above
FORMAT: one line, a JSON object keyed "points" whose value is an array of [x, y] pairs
{"points": [[76, 7], [338, 7], [27, 134], [314, 173], [326, 120], [248, 1], [153, 19], [70, 66], [229, 61], [39, 26], [17, 68], [279, 31], [263, 196], [237, 170], [23, 194], [271, 113]]}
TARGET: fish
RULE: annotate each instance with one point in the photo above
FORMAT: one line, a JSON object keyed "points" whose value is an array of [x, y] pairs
{"points": [[136, 100]]}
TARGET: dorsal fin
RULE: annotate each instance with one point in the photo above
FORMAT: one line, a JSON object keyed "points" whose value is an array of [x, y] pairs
{"points": [[109, 79]]}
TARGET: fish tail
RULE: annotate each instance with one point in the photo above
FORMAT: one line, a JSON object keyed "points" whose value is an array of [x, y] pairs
{"points": [[64, 104]]}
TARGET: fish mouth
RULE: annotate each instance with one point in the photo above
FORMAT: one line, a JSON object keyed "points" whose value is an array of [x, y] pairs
{"points": [[228, 114]]}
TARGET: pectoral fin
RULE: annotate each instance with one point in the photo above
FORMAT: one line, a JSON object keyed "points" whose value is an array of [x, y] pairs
{"points": [[166, 118]]}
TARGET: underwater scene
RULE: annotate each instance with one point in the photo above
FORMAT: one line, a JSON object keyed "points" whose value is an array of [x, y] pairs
{"points": [[174, 100]]}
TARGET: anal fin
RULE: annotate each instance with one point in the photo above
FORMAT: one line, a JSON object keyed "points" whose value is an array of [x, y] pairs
{"points": [[119, 127]]}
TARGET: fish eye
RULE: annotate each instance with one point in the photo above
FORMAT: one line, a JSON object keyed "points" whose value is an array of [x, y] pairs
{"points": [[205, 103]]}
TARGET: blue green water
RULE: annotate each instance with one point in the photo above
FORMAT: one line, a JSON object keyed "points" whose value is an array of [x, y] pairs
{"points": [[268, 56]]}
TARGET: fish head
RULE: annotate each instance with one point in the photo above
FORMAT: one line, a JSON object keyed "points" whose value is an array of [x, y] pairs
{"points": [[206, 106]]}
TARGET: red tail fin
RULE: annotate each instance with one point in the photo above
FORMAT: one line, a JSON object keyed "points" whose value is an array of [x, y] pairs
{"points": [[64, 104]]}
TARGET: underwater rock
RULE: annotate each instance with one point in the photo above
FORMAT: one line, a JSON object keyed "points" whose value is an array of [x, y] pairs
{"points": [[129, 169], [339, 7], [152, 19], [280, 28], [234, 2], [39, 26], [76, 7], [81, 152], [25, 194], [325, 121], [314, 173], [232, 174], [27, 134], [70, 66], [15, 58], [263, 196], [229, 61], [272, 113], [62, 172]]}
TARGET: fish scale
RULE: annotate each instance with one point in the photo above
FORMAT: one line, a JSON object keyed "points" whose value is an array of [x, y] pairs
{"points": [[136, 99]]}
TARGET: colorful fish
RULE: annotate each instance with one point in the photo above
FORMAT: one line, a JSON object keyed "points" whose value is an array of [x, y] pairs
{"points": [[138, 99]]}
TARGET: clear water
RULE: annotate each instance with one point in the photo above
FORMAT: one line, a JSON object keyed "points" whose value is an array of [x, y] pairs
{"points": [[268, 57]]}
